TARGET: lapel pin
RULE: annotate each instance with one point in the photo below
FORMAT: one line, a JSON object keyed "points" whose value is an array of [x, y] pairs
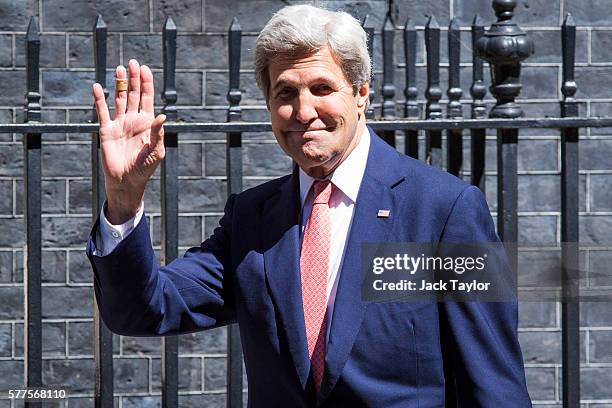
{"points": [[383, 213]]}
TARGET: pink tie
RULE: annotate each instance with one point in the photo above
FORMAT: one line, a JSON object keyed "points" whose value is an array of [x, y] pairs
{"points": [[314, 264]]}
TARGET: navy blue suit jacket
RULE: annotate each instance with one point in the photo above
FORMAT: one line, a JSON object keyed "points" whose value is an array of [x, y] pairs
{"points": [[393, 354]]}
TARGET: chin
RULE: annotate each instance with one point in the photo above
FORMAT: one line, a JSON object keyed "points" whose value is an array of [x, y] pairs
{"points": [[310, 151], [322, 160], [315, 160]]}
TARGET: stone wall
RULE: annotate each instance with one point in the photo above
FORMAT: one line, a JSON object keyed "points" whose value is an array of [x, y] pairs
{"points": [[202, 81]]}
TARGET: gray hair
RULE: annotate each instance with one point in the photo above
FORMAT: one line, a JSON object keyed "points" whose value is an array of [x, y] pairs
{"points": [[303, 30]]}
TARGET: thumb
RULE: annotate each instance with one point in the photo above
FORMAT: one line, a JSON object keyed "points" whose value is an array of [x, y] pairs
{"points": [[157, 131]]}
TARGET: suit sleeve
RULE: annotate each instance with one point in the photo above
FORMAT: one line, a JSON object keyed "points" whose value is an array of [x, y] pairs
{"points": [[483, 360], [137, 297]]}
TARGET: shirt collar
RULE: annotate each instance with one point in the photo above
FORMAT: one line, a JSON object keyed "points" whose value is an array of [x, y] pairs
{"points": [[347, 176]]}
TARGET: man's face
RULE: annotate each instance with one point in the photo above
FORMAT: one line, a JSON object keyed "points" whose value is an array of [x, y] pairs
{"points": [[315, 116]]}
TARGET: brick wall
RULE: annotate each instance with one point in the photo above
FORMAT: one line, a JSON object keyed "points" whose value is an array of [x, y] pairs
{"points": [[134, 32]]}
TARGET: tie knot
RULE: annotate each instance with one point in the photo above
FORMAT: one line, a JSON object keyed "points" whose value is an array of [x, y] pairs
{"points": [[322, 191]]}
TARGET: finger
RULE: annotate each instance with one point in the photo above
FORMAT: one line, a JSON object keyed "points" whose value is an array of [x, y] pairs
{"points": [[157, 131], [148, 92], [100, 103], [120, 97], [133, 101]]}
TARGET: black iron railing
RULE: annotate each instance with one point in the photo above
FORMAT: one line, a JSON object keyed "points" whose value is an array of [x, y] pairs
{"points": [[504, 46]]}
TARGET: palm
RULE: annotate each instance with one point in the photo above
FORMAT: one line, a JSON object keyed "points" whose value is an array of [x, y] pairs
{"points": [[132, 143], [125, 146]]}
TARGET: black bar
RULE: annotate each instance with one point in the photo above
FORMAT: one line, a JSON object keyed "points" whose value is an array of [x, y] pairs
{"points": [[507, 187], [100, 41], [169, 207], [234, 186], [454, 138], [454, 149], [570, 311], [388, 89], [504, 46], [103, 337], [368, 27], [411, 107], [398, 124], [32, 327], [169, 372], [478, 91], [169, 212], [433, 138]]}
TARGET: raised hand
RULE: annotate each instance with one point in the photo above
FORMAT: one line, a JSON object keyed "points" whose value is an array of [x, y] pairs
{"points": [[132, 144]]}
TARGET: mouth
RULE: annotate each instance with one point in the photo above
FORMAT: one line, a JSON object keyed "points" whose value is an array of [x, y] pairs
{"points": [[311, 132]]}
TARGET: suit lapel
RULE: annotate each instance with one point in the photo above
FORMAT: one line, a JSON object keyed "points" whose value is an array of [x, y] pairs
{"points": [[375, 194], [281, 238]]}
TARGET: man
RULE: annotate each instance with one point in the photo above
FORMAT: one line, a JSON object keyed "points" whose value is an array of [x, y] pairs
{"points": [[285, 260]]}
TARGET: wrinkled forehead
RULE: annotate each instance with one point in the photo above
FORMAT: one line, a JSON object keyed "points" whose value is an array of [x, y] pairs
{"points": [[320, 64]]}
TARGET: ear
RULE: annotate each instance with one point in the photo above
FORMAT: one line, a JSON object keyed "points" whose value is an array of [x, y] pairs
{"points": [[363, 96]]}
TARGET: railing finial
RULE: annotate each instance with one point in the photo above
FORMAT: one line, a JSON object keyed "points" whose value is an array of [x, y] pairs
{"points": [[411, 92], [504, 46], [100, 41], [432, 22], [169, 95], [388, 89], [504, 9], [478, 90], [100, 22], [32, 97], [234, 94], [411, 107], [568, 32], [454, 92], [32, 33], [169, 24], [368, 27], [433, 92]]}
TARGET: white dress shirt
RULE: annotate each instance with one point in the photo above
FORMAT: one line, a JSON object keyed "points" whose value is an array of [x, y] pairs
{"points": [[347, 180]]}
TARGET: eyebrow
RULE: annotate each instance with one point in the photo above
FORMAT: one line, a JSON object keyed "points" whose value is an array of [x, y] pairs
{"points": [[317, 79]]}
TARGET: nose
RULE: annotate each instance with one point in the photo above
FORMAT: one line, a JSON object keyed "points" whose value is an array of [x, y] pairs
{"points": [[305, 111]]}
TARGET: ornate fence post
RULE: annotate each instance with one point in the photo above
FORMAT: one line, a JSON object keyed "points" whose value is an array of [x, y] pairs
{"points": [[32, 327], [233, 165], [504, 46], [570, 307], [103, 338], [411, 106], [479, 110], [169, 207], [454, 137], [433, 110], [369, 29], [388, 89]]}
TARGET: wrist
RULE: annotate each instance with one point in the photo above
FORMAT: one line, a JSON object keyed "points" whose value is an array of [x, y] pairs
{"points": [[122, 207]]}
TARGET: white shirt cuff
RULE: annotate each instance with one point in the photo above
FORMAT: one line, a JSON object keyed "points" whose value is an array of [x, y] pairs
{"points": [[108, 236]]}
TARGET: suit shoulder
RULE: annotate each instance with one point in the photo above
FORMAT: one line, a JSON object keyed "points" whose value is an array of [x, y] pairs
{"points": [[431, 180], [390, 165], [260, 193]]}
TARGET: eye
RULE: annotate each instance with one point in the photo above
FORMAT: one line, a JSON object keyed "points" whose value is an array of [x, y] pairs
{"points": [[285, 93], [322, 89]]}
